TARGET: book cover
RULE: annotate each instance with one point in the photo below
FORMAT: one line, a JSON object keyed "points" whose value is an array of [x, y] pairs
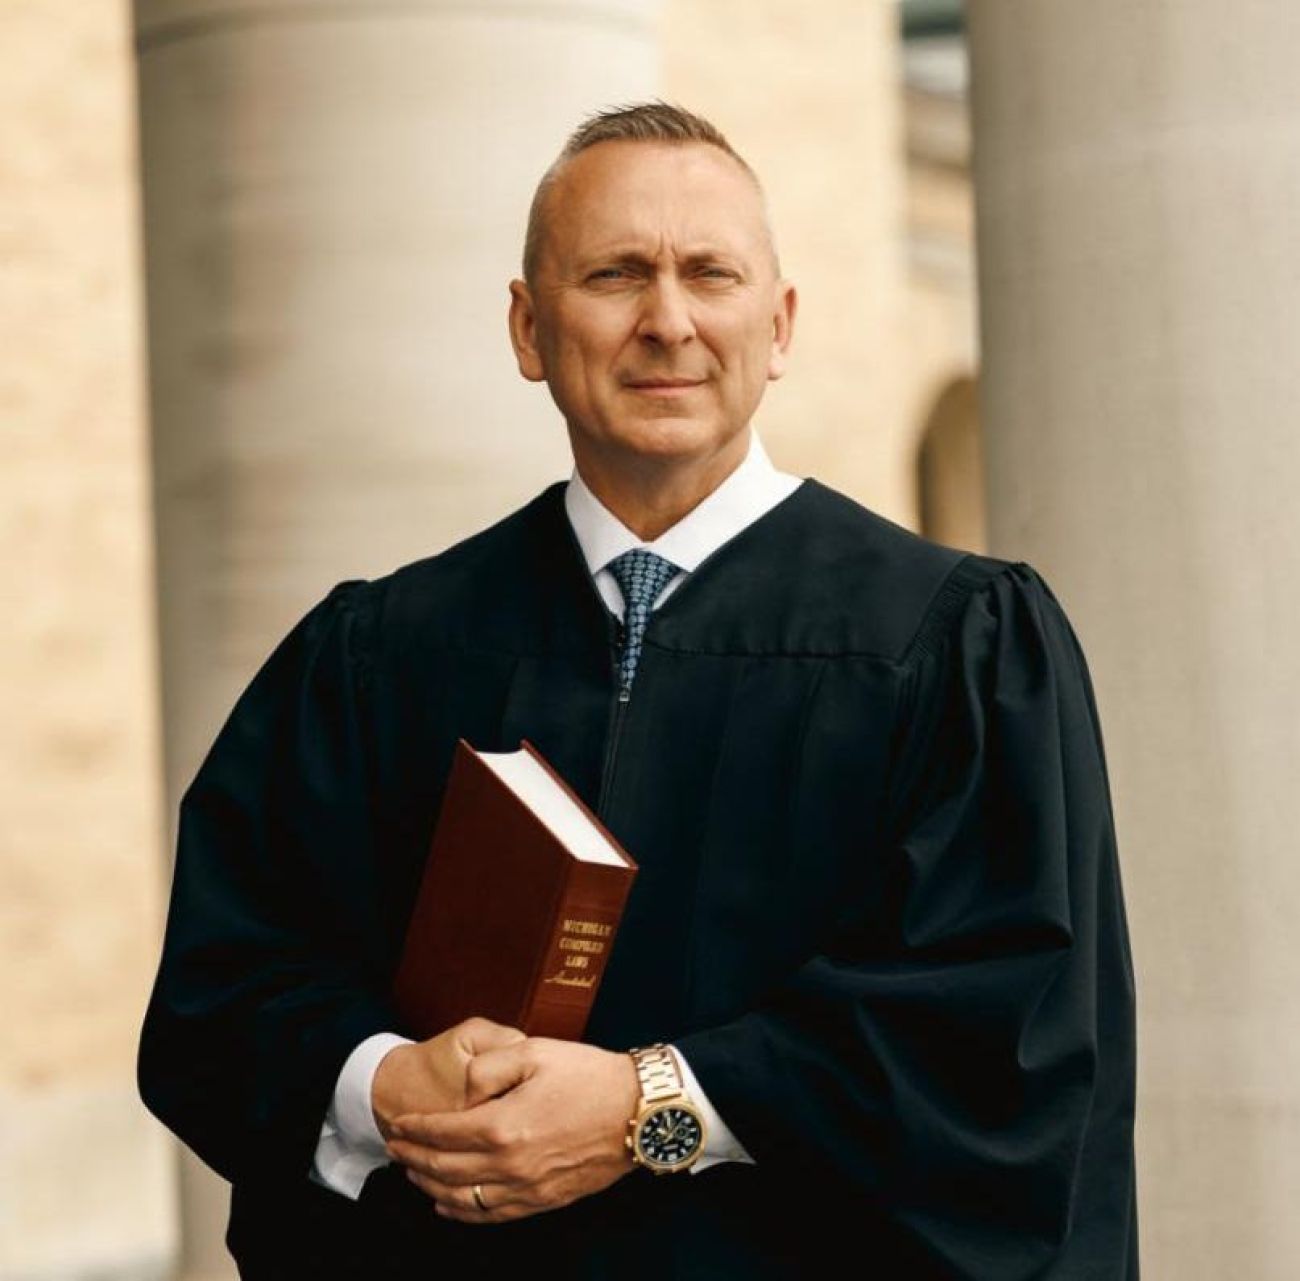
{"points": [[519, 904]]}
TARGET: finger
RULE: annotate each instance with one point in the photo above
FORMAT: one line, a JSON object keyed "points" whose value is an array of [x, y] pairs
{"points": [[459, 1196], [446, 1198], [460, 1204], [478, 1034], [427, 1184], [499, 1198], [496, 1071], [454, 1169], [505, 1201], [476, 1130]]}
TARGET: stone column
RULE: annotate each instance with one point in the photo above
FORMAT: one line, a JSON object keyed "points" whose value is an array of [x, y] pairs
{"points": [[1138, 199], [335, 197], [85, 1177], [951, 470]]}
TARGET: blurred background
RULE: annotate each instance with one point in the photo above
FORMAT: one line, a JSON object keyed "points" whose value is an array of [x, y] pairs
{"points": [[254, 257]]}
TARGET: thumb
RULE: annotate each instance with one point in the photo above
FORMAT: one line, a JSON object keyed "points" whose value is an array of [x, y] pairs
{"points": [[494, 1072], [479, 1034]]}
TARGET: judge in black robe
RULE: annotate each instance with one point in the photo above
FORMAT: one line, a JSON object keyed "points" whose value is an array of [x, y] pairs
{"points": [[879, 905]]}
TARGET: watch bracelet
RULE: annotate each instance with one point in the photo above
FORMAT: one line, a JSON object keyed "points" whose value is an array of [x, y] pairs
{"points": [[657, 1071]]}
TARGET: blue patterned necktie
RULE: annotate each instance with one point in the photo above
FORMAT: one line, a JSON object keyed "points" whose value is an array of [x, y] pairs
{"points": [[641, 576]]}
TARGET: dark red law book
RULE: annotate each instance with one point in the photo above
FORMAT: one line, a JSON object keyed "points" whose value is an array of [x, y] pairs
{"points": [[519, 905]]}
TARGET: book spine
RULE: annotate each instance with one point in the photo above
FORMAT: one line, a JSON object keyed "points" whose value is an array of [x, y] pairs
{"points": [[573, 963]]}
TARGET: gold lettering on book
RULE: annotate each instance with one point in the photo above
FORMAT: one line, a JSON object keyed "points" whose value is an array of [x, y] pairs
{"points": [[576, 953], [598, 928], [581, 945], [565, 979]]}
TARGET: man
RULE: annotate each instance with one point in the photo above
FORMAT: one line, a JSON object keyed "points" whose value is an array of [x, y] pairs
{"points": [[876, 954]]}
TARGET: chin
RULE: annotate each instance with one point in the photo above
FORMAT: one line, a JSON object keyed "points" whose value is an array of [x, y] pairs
{"points": [[669, 437]]}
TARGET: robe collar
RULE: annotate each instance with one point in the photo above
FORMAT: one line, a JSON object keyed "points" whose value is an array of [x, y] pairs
{"points": [[748, 492]]}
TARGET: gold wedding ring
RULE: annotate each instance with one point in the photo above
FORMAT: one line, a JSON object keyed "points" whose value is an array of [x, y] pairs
{"points": [[478, 1196]]}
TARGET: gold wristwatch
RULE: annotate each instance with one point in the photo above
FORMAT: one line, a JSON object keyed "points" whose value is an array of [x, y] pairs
{"points": [[667, 1133]]}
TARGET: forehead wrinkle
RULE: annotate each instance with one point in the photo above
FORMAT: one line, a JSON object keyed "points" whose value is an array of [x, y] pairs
{"points": [[656, 240], [624, 252], [632, 208]]}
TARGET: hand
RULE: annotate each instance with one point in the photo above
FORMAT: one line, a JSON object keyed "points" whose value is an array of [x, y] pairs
{"points": [[544, 1125], [430, 1076]]}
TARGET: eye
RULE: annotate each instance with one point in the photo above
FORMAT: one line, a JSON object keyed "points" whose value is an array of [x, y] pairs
{"points": [[608, 273]]}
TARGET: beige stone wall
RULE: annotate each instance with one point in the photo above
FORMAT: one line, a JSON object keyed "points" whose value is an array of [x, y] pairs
{"points": [[84, 1175]]}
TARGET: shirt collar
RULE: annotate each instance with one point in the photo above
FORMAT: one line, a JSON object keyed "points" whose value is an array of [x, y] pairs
{"points": [[749, 490]]}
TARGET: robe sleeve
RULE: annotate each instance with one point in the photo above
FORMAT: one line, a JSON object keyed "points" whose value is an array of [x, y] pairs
{"points": [[959, 1055], [267, 979]]}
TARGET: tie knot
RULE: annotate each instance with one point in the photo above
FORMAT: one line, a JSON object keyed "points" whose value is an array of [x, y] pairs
{"points": [[641, 575]]}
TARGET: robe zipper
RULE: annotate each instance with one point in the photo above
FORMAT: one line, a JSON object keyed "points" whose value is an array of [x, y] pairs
{"points": [[617, 714]]}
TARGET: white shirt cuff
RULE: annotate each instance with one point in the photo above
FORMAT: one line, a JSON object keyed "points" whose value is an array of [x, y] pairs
{"points": [[350, 1146], [719, 1142]]}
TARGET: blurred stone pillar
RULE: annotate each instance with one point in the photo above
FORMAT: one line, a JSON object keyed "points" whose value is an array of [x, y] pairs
{"points": [[335, 197], [86, 1187], [950, 466], [1138, 197]]}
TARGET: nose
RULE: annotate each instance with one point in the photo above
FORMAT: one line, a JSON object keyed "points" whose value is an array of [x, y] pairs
{"points": [[665, 313]]}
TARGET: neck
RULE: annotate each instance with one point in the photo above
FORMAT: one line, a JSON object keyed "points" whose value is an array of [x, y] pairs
{"points": [[651, 494]]}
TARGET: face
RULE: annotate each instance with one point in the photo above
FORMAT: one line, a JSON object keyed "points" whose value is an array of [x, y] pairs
{"points": [[656, 316]]}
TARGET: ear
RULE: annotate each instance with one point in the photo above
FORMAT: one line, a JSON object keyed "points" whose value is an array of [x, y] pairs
{"points": [[786, 301], [523, 332]]}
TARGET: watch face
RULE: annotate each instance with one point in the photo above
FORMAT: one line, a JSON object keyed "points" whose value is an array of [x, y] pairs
{"points": [[669, 1136]]}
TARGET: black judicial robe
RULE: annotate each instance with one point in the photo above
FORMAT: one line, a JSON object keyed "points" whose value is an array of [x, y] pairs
{"points": [[879, 906]]}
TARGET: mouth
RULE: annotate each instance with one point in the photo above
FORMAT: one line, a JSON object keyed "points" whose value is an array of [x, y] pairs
{"points": [[663, 386]]}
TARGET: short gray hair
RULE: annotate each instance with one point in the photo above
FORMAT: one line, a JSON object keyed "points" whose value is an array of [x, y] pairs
{"points": [[655, 121]]}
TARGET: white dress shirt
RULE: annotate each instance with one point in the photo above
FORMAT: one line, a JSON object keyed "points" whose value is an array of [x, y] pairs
{"points": [[350, 1145]]}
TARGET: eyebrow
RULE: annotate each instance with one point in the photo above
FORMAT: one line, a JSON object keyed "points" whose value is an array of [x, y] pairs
{"points": [[635, 258]]}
